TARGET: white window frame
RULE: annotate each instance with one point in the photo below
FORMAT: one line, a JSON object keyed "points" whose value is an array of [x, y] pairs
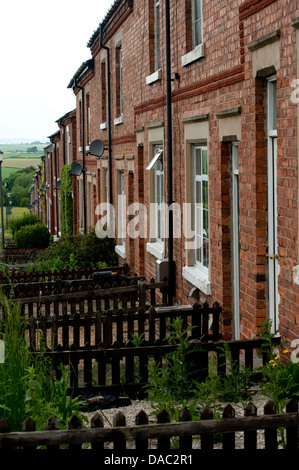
{"points": [[121, 236], [156, 245], [198, 217], [195, 21]]}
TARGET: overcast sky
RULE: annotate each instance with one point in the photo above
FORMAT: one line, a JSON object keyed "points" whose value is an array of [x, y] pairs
{"points": [[42, 44]]}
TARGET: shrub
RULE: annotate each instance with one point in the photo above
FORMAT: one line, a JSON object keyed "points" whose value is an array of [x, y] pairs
{"points": [[33, 236], [78, 251], [17, 223]]}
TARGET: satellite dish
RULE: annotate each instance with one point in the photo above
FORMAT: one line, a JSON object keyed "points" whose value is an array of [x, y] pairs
{"points": [[97, 148], [76, 168]]}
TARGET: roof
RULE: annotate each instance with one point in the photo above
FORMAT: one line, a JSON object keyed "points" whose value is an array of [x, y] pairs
{"points": [[109, 15], [84, 67], [65, 116]]}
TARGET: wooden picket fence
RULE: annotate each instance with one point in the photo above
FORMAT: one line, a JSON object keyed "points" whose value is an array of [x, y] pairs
{"points": [[19, 256], [16, 276], [90, 297], [110, 351], [205, 433]]}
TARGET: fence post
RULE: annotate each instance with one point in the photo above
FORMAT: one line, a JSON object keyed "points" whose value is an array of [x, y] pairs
{"points": [[141, 418], [29, 426], [164, 442], [119, 420], [270, 434], [52, 425], [207, 440], [74, 423], [97, 422], [250, 436], [292, 432], [185, 442], [228, 439], [142, 294]]}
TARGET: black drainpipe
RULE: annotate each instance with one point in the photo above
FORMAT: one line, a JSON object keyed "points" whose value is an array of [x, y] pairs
{"points": [[56, 191], [109, 115], [83, 156], [171, 270]]}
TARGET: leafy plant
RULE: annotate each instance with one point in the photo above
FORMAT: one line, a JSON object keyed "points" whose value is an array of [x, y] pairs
{"points": [[33, 236], [77, 251], [28, 385], [66, 201], [16, 224]]}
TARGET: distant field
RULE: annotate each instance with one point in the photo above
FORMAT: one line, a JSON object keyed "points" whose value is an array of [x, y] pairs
{"points": [[16, 212], [21, 162], [16, 157], [7, 171]]}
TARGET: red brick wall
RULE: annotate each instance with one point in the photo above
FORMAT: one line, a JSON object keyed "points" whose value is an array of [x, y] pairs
{"points": [[221, 79]]}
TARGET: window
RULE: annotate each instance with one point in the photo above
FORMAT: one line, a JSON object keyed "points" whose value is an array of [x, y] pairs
{"points": [[157, 204], [194, 32], [157, 35], [88, 117], [159, 199], [197, 22], [122, 208], [104, 92], [119, 82], [201, 207]]}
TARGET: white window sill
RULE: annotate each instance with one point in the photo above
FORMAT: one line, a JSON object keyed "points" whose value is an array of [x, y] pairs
{"points": [[154, 77], [103, 126], [296, 275], [197, 53], [120, 250], [198, 278], [156, 249], [119, 120]]}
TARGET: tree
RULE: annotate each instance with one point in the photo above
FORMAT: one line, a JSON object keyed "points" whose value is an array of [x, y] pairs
{"points": [[32, 149]]}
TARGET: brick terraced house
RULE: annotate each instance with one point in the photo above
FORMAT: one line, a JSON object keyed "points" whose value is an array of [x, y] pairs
{"points": [[194, 104]]}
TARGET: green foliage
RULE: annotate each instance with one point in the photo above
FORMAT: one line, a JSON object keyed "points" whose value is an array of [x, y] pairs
{"points": [[33, 236], [16, 224], [66, 201], [172, 381], [77, 251], [280, 374], [235, 384], [28, 386], [19, 183]]}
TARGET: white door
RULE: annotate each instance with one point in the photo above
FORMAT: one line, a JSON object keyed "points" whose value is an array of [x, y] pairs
{"points": [[236, 240], [273, 266]]}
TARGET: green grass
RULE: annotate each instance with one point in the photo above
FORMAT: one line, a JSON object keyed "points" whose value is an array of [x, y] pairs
{"points": [[7, 171]]}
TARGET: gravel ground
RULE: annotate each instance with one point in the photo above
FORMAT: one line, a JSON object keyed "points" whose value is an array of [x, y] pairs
{"points": [[133, 409]]}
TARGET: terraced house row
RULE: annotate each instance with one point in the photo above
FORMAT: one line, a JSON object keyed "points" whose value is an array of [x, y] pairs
{"points": [[192, 104]]}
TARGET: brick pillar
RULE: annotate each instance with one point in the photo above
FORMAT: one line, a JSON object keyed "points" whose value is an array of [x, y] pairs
{"points": [[253, 212]]}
